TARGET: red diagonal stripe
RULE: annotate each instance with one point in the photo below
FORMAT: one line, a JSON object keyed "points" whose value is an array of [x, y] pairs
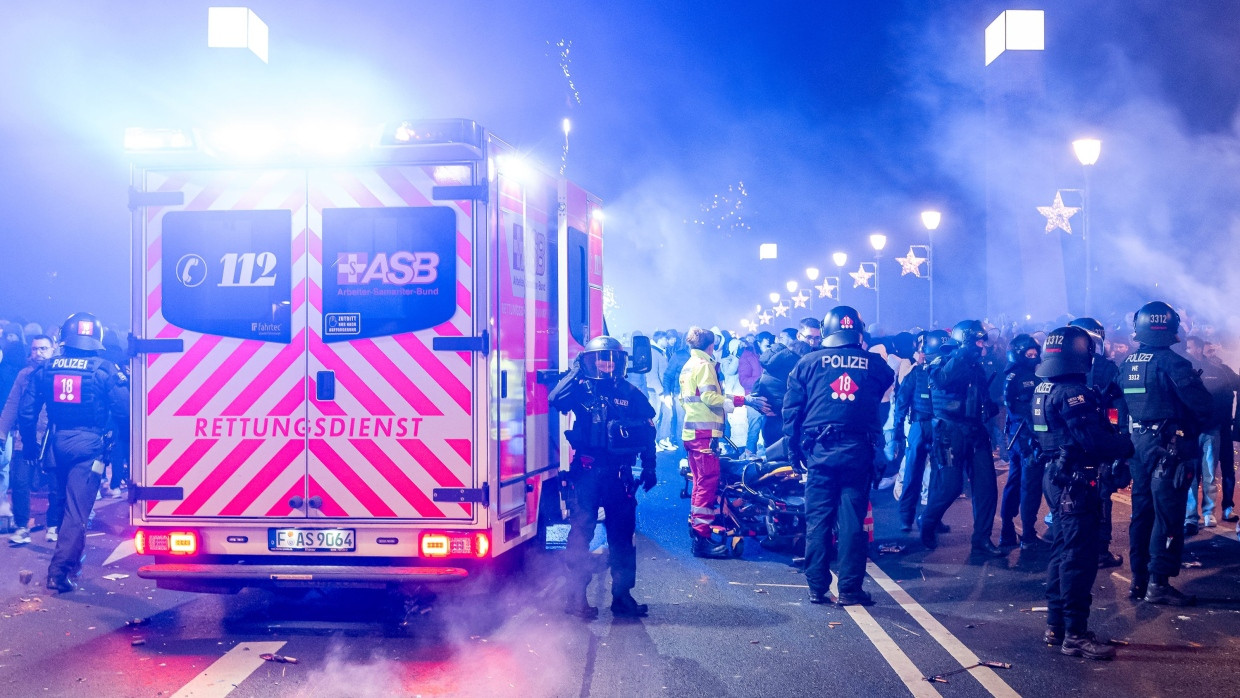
{"points": [[350, 479], [268, 377], [185, 462], [434, 368], [177, 373], [315, 295], [464, 299], [281, 507], [403, 187], [432, 465], [173, 183], [258, 189], [206, 197], [293, 401], [464, 250], [299, 296], [168, 332], [154, 300], [154, 252], [463, 448], [219, 474], [391, 472], [330, 506], [154, 447], [347, 380], [264, 477], [219, 378], [391, 373], [357, 191]]}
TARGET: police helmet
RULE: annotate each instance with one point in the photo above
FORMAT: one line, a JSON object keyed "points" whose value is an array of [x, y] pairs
{"points": [[969, 331], [1019, 348], [1156, 324], [604, 358], [842, 326], [82, 331], [935, 342], [1068, 350]]}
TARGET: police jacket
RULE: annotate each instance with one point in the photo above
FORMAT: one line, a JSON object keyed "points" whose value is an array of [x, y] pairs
{"points": [[1068, 417], [913, 396], [1160, 385], [959, 389], [1103, 377], [1019, 382], [835, 387], [80, 391], [611, 419]]}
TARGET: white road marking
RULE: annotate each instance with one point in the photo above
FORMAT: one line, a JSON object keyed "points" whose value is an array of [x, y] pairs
{"points": [[219, 679], [912, 677], [984, 675], [124, 550]]}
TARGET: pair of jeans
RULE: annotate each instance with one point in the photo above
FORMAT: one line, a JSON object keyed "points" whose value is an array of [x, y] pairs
{"points": [[913, 473], [755, 419], [1204, 478]]}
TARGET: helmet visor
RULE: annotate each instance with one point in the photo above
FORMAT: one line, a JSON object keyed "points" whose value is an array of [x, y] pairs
{"points": [[599, 365]]}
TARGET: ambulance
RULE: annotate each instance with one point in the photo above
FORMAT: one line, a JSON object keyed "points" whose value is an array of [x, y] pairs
{"points": [[342, 355]]}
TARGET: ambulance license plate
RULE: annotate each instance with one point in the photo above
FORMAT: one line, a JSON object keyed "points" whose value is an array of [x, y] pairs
{"points": [[312, 540]]}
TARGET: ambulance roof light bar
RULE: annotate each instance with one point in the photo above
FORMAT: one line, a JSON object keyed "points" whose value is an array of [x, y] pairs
{"points": [[139, 139]]}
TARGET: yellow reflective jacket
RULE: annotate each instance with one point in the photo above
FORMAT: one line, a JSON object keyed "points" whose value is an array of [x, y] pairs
{"points": [[702, 395]]}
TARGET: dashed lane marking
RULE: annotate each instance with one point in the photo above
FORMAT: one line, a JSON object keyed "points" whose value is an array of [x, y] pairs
{"points": [[219, 679], [913, 679], [122, 551], [957, 649]]}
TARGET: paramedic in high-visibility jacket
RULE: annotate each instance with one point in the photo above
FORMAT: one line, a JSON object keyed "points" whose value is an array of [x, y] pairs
{"points": [[831, 421], [613, 424], [706, 408], [82, 392]]}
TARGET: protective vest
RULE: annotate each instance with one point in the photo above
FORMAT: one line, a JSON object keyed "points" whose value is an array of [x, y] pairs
{"points": [[701, 393], [923, 406], [1159, 384], [76, 391]]}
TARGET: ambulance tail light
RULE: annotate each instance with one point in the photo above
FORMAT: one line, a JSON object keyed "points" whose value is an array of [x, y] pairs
{"points": [[437, 544], [166, 542]]}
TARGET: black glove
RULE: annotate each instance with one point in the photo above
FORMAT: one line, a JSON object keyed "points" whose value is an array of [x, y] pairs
{"points": [[30, 452], [648, 478]]}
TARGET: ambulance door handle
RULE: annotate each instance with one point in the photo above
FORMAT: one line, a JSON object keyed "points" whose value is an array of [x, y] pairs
{"points": [[503, 384], [316, 502], [325, 386], [296, 502]]}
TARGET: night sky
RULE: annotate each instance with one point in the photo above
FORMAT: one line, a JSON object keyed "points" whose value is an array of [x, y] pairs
{"points": [[836, 120]]}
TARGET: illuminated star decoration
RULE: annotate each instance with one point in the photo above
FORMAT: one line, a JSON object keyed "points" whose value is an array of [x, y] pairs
{"points": [[765, 318], [861, 277], [749, 325], [1057, 215], [781, 310], [911, 263], [829, 288], [798, 301]]}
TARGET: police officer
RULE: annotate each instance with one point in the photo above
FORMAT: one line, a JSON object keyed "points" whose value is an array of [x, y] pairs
{"points": [[1076, 439], [959, 392], [1114, 476], [913, 403], [612, 425], [1166, 402], [1023, 492], [831, 421], [81, 391]]}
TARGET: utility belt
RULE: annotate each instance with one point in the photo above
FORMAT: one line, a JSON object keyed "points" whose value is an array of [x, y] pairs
{"points": [[1067, 466], [834, 433], [616, 437]]}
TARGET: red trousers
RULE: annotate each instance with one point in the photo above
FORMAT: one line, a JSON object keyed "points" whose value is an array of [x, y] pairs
{"points": [[704, 501]]}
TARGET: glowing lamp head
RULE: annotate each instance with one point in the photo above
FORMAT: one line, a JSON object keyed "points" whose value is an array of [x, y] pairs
{"points": [[791, 286], [812, 273], [878, 241], [931, 219], [1087, 150], [840, 259], [768, 250], [774, 297]]}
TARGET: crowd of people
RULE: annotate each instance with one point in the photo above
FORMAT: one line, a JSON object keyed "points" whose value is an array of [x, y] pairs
{"points": [[1076, 412]]}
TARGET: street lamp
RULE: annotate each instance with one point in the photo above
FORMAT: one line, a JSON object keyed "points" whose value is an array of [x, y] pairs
{"points": [[840, 259], [878, 241], [931, 220], [811, 273], [1087, 151], [774, 297], [791, 286]]}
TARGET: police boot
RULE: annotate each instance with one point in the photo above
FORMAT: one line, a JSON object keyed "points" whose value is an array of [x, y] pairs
{"points": [[577, 605], [1086, 645], [60, 583], [1007, 535], [1107, 559], [1053, 636], [855, 598], [1167, 595], [707, 548], [626, 606]]}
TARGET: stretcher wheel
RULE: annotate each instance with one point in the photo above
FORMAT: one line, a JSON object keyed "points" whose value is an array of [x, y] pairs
{"points": [[736, 546]]}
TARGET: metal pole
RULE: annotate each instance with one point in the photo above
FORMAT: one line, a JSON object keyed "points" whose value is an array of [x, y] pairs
{"points": [[1089, 267], [878, 305], [930, 275]]}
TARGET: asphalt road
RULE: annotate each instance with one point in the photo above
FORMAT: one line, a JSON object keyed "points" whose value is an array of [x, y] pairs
{"points": [[716, 628]]}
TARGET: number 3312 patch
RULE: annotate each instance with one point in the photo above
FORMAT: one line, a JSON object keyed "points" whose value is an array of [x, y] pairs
{"points": [[67, 388]]}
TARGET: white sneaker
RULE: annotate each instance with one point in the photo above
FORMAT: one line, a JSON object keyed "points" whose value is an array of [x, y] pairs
{"points": [[886, 483], [20, 537], [117, 494], [1207, 521], [51, 536]]}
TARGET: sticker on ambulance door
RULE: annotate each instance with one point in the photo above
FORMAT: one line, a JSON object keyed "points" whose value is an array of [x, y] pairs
{"points": [[228, 273], [387, 271]]}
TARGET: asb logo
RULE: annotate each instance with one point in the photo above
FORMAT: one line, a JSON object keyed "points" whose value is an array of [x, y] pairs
{"points": [[844, 387], [191, 270], [398, 269]]}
